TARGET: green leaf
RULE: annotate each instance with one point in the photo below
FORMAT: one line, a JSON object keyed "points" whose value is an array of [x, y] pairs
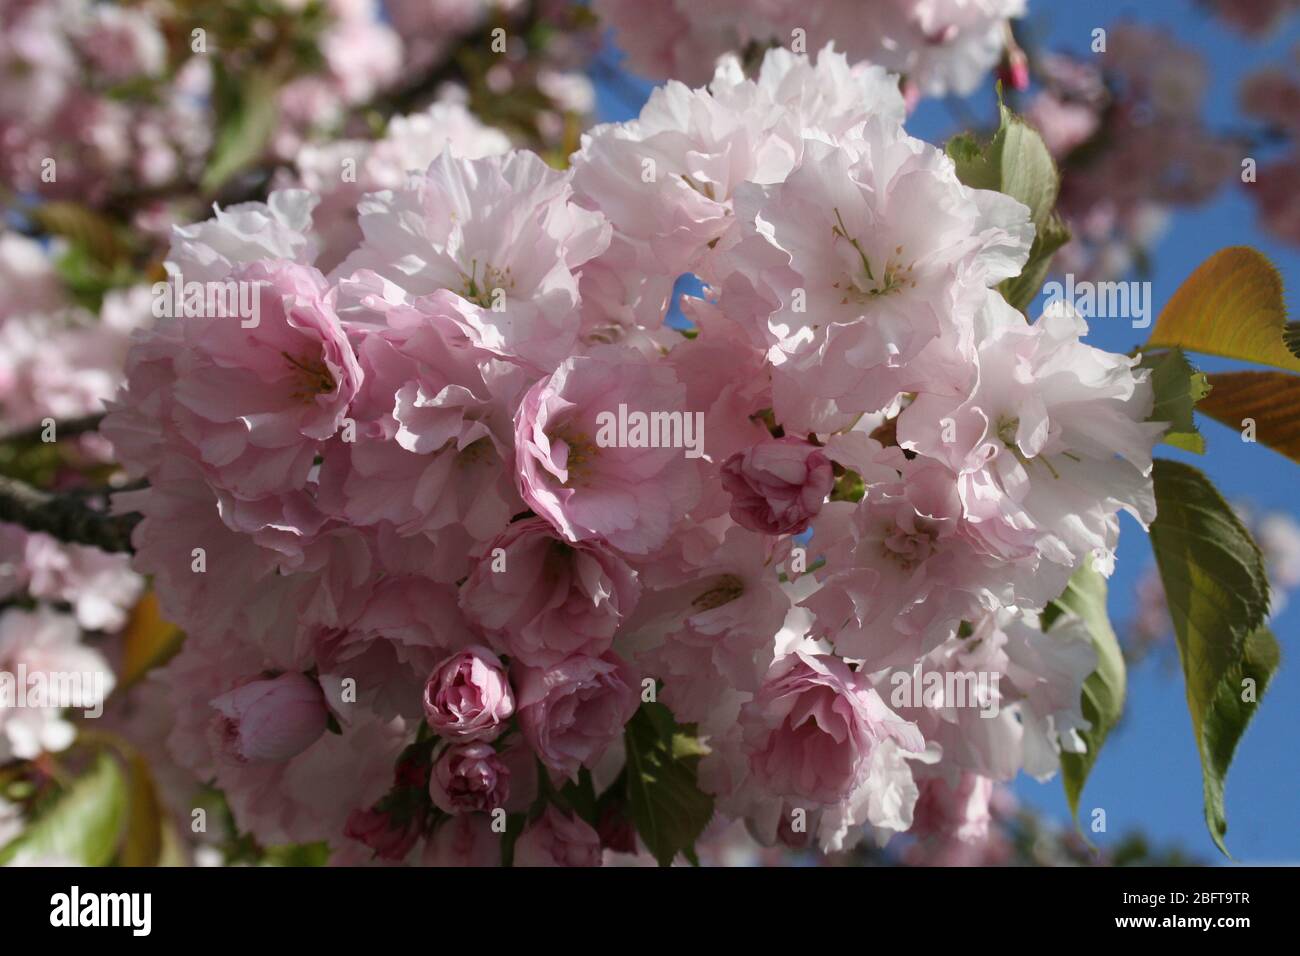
{"points": [[1237, 694], [580, 795], [87, 279], [848, 486], [96, 237], [1178, 386], [247, 114], [515, 823], [965, 151], [688, 745], [1103, 691], [664, 799], [1270, 399], [1021, 290], [297, 854], [1232, 306], [1217, 589], [82, 826], [1017, 162], [1028, 170]]}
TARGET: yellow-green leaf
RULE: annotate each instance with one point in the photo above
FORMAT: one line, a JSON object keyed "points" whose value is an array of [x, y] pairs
{"points": [[148, 641], [1232, 306], [143, 843], [1270, 399]]}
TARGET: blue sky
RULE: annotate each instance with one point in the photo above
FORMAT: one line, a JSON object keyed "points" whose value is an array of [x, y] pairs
{"points": [[1148, 777]]}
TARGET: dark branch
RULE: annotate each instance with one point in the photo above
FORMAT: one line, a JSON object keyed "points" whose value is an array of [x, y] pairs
{"points": [[69, 519], [62, 429]]}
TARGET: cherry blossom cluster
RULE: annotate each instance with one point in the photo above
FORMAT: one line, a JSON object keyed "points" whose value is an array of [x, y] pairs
{"points": [[937, 46], [1126, 129], [1272, 96], [65, 64], [1253, 18], [58, 360], [51, 595], [454, 503], [115, 104]]}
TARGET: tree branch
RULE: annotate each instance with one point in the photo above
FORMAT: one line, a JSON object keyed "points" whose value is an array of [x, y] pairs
{"points": [[69, 519], [62, 429]]}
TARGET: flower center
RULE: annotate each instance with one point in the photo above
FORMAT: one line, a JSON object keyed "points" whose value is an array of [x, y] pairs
{"points": [[1007, 429], [475, 452], [581, 451], [705, 189], [311, 377], [483, 291], [727, 589], [865, 282], [907, 549]]}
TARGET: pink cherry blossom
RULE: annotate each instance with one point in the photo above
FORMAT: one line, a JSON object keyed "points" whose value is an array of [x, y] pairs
{"points": [[627, 496], [572, 712], [271, 720], [777, 486], [463, 840], [406, 626], [468, 696], [811, 728], [540, 598], [557, 838], [501, 234], [44, 643]]}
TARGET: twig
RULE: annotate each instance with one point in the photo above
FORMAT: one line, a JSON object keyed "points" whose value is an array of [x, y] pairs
{"points": [[66, 518]]}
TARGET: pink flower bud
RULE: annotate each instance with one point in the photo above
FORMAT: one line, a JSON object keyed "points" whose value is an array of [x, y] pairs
{"points": [[468, 778], [468, 696], [270, 720], [777, 486], [1014, 70]]}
